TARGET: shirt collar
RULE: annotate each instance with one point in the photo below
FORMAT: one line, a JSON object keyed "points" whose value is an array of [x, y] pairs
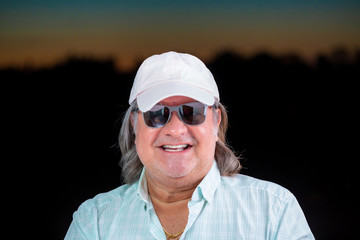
{"points": [[205, 190], [208, 185], [142, 190]]}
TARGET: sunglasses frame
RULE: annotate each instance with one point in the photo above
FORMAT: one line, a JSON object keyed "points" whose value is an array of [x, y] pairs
{"points": [[176, 109]]}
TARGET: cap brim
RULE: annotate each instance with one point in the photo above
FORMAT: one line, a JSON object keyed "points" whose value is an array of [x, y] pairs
{"points": [[147, 99]]}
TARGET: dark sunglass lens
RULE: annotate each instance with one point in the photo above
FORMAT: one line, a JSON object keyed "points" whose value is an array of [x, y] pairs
{"points": [[193, 115], [156, 118]]}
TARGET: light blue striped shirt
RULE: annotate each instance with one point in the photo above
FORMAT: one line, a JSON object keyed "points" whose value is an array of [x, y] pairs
{"points": [[238, 207]]}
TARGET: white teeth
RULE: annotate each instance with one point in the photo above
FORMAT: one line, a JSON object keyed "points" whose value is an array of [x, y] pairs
{"points": [[174, 148]]}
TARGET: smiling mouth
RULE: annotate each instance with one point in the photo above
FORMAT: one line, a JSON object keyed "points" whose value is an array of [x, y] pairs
{"points": [[175, 148]]}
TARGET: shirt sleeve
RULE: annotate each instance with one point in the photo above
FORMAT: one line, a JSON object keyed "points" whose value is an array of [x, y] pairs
{"points": [[292, 223], [83, 225], [74, 233]]}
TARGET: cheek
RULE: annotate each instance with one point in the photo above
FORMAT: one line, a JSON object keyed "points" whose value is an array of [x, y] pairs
{"points": [[143, 147], [207, 137], [144, 140]]}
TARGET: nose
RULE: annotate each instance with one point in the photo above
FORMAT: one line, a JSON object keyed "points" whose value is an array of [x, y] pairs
{"points": [[175, 127]]}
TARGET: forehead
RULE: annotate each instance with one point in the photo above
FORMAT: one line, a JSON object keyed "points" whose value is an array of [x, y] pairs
{"points": [[176, 100]]}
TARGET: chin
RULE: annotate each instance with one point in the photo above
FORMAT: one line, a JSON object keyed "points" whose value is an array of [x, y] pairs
{"points": [[177, 174], [178, 169]]}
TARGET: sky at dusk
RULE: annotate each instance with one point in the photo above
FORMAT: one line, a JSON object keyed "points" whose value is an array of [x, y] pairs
{"points": [[40, 32]]}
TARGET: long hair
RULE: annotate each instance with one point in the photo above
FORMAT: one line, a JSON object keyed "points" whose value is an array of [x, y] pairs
{"points": [[131, 166]]}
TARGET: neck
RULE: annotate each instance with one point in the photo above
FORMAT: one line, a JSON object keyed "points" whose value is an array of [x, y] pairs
{"points": [[170, 203], [167, 194]]}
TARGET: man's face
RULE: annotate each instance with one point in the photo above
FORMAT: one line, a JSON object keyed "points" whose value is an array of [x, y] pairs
{"points": [[155, 146]]}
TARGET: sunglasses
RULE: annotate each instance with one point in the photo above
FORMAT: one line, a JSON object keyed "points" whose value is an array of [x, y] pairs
{"points": [[192, 114]]}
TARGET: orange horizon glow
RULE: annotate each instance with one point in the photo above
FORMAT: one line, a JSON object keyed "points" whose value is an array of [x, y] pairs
{"points": [[40, 37], [127, 61]]}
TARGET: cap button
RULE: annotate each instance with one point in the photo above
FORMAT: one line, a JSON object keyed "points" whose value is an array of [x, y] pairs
{"points": [[174, 58]]}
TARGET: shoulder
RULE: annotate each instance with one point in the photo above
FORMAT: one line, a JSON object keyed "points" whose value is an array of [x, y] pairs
{"points": [[266, 204], [242, 183], [106, 201], [104, 208], [254, 196]]}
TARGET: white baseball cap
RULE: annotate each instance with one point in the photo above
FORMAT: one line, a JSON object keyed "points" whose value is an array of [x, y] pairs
{"points": [[173, 74]]}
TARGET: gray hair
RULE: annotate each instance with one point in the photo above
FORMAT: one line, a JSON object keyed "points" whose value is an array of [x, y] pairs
{"points": [[131, 166]]}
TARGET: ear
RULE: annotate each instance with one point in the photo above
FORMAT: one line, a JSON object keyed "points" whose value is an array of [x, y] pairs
{"points": [[218, 112], [216, 116], [133, 122], [132, 119]]}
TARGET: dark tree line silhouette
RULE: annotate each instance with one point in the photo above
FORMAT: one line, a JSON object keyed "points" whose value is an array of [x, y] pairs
{"points": [[291, 121]]}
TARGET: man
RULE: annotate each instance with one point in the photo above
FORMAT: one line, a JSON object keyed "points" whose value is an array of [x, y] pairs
{"points": [[182, 180]]}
